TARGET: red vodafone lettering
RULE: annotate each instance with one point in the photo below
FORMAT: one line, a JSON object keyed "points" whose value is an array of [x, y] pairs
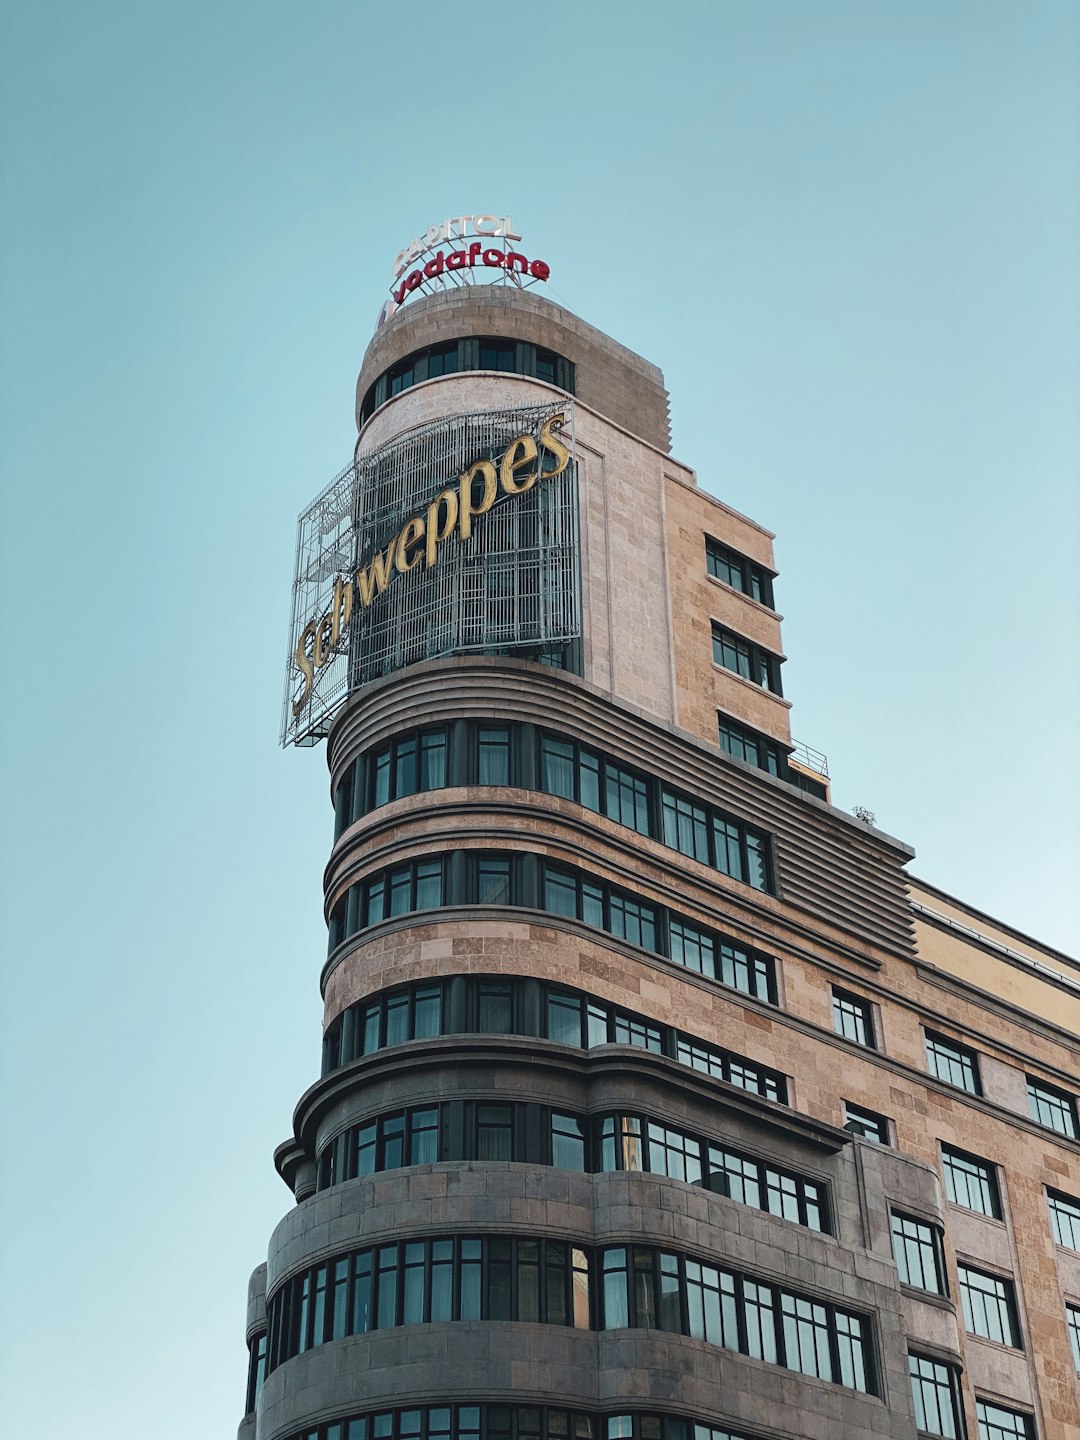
{"points": [[510, 261]]}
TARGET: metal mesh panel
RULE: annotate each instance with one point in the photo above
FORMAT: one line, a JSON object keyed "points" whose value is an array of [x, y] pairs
{"points": [[512, 588]]}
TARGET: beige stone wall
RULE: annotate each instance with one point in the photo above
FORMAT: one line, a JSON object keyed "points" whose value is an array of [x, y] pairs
{"points": [[610, 378]]}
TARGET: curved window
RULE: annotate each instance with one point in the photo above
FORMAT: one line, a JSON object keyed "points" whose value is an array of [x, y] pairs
{"points": [[484, 352], [536, 1134], [550, 1282], [256, 1369], [521, 756], [512, 1422], [475, 1004], [472, 877]]}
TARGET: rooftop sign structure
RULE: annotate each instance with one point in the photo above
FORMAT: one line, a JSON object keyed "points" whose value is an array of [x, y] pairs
{"points": [[457, 537], [462, 250]]}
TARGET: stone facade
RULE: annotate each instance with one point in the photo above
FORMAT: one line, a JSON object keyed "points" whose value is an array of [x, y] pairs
{"points": [[840, 915]]}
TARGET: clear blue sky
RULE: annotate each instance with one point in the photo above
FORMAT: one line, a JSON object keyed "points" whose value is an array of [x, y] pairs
{"points": [[848, 232]]}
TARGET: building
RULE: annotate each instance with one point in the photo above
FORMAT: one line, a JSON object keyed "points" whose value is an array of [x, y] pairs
{"points": [[658, 1100]]}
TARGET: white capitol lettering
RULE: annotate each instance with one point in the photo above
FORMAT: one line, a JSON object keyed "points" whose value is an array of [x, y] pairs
{"points": [[454, 228]]}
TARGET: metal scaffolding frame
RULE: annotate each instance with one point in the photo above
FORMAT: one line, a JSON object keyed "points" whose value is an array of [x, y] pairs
{"points": [[512, 588]]}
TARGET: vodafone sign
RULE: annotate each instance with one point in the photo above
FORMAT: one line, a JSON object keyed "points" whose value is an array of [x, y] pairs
{"points": [[453, 262]]}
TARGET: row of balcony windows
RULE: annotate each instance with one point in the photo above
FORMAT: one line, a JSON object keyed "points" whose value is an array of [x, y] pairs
{"points": [[472, 1004], [497, 1278], [537, 1134], [512, 1422], [524, 757]]}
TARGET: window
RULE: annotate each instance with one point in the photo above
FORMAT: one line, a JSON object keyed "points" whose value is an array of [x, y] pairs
{"points": [[742, 657], [632, 1142], [408, 765], [1053, 1108], [867, 1124], [971, 1182], [573, 894], [493, 874], [656, 1289], [256, 1369], [1072, 1318], [952, 1062], [989, 1306], [997, 1423], [735, 1069], [853, 1017], [493, 755], [715, 839], [567, 1142], [417, 885], [751, 746], [1064, 1219], [935, 1394], [508, 1422], [917, 1248], [738, 571], [467, 353], [414, 1282], [386, 1142], [577, 773]]}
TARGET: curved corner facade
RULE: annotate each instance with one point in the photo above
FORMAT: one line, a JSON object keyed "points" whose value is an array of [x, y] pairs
{"points": [[629, 1120]]}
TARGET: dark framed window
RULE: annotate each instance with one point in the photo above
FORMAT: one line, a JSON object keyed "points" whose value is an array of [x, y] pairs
{"points": [[408, 765], [494, 878], [256, 1369], [742, 657], [1054, 1108], [385, 1142], [414, 1282], [952, 1062], [715, 839], [735, 1069], [468, 353], [739, 571], [634, 1142], [509, 1422], [416, 885], [1064, 1219], [971, 1182], [751, 746], [496, 1005], [493, 754], [989, 1303], [998, 1423], [709, 954], [867, 1124], [576, 772], [575, 895], [643, 1288], [853, 1017], [918, 1253], [568, 1141], [935, 1393], [1072, 1319]]}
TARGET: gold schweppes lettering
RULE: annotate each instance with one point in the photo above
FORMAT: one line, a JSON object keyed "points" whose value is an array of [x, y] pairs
{"points": [[450, 514]]}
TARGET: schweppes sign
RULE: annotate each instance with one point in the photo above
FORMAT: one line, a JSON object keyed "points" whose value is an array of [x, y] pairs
{"points": [[447, 519]]}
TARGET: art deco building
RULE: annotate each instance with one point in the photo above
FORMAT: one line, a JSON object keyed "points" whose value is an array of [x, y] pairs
{"points": [[658, 1101]]}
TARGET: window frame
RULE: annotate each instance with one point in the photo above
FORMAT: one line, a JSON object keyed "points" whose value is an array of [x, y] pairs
{"points": [[758, 661], [927, 1243], [755, 580], [997, 1299], [1064, 1218], [846, 1005], [1044, 1097], [963, 1057], [950, 1384], [859, 1115], [986, 1179]]}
